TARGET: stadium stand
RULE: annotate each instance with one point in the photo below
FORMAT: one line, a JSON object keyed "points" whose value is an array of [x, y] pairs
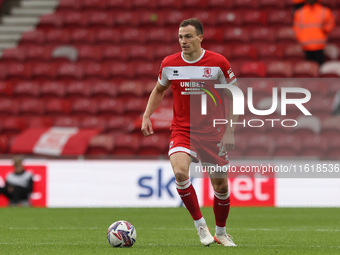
{"points": [[93, 64]]}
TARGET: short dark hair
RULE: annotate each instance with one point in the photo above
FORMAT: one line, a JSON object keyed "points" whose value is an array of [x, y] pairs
{"points": [[195, 23]]}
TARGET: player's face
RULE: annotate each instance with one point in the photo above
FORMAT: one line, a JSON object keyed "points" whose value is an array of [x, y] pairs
{"points": [[189, 40]]}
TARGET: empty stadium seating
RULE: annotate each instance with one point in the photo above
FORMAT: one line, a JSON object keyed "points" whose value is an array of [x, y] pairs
{"points": [[116, 50]]}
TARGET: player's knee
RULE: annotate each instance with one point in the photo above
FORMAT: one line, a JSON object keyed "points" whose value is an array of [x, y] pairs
{"points": [[181, 174], [220, 187]]}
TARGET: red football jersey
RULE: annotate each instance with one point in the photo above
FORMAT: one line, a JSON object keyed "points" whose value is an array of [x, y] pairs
{"points": [[196, 102]]}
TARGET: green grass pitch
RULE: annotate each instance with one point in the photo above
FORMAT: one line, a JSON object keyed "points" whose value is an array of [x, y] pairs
{"points": [[168, 231]]}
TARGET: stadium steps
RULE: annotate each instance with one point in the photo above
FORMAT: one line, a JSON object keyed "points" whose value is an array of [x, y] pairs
{"points": [[22, 18]]}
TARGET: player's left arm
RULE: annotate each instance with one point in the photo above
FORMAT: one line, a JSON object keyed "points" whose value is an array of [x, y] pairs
{"points": [[228, 140]]}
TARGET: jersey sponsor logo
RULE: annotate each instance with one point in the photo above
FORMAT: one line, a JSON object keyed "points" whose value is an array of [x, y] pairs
{"points": [[231, 73], [175, 73], [207, 72]]}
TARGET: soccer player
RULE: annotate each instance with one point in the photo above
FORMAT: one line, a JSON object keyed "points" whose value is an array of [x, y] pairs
{"points": [[192, 74]]}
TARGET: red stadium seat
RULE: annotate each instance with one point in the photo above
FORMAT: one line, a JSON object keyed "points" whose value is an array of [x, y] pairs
{"points": [[330, 69], [101, 144], [208, 18], [57, 107], [84, 107], [78, 89], [147, 18], [285, 35], [108, 35], [246, 4], [8, 107], [131, 35], [219, 4], [126, 144], [69, 70], [253, 69], [13, 125], [52, 89], [94, 4], [161, 52], [306, 69], [75, 19], [89, 52], [59, 36], [159, 35], [228, 18], [236, 35], [260, 146], [333, 4], [167, 4], [100, 19], [94, 122], [83, 35], [51, 21], [307, 127], [17, 71], [278, 18], [294, 52], [271, 4], [323, 106], [244, 52], [330, 127], [269, 52], [31, 107], [26, 89], [154, 145], [113, 52], [140, 52], [287, 146], [33, 37], [135, 106], [314, 146], [110, 107], [124, 18], [13, 55], [104, 89], [197, 4], [66, 121], [38, 53], [262, 35], [119, 123], [173, 17], [251, 18], [69, 5], [225, 50], [140, 4], [334, 149], [213, 34], [43, 71], [118, 4], [146, 69], [279, 69], [94, 70], [119, 70], [131, 89], [6, 89], [40, 121]]}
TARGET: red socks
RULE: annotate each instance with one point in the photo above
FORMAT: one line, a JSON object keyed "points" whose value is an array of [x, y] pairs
{"points": [[188, 195], [221, 208]]}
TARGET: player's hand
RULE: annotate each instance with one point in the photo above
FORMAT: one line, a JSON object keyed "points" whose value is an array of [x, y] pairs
{"points": [[227, 143], [147, 127]]}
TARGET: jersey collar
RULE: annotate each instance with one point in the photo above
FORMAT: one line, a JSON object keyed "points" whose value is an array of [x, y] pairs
{"points": [[194, 61]]}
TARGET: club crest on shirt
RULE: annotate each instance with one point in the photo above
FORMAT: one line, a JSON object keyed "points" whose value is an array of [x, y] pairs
{"points": [[207, 72]]}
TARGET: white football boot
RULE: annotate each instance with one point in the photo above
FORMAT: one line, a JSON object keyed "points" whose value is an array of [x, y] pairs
{"points": [[205, 237], [225, 240]]}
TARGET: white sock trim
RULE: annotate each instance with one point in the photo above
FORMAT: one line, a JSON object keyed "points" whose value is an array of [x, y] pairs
{"points": [[220, 230], [183, 184], [199, 222], [222, 196]]}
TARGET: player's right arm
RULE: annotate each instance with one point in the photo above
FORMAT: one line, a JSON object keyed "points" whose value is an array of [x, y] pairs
{"points": [[155, 99]]}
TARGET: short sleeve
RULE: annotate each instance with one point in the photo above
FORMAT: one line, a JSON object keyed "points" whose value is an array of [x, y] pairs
{"points": [[226, 74], [162, 78]]}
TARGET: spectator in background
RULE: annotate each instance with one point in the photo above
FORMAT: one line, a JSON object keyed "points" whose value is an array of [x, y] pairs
{"points": [[19, 185], [312, 25], [297, 4]]}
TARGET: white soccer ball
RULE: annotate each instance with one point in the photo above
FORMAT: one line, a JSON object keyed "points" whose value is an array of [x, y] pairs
{"points": [[121, 234]]}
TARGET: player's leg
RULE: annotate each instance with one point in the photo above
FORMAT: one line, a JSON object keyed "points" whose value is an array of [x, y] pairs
{"points": [[221, 207], [180, 162]]}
